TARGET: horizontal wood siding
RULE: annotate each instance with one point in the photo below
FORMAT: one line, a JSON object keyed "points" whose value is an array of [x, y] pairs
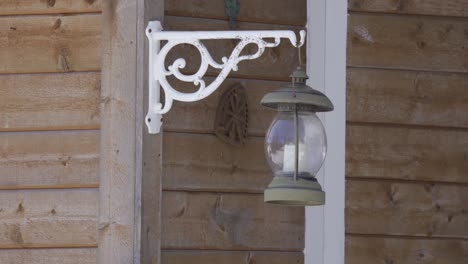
{"points": [[40, 7], [197, 220], [48, 218], [189, 164], [67, 218], [213, 209], [291, 12], [48, 160], [49, 101], [406, 190], [408, 42], [394, 208], [230, 257], [49, 256], [49, 43], [417, 7], [407, 153], [399, 250], [407, 97], [376, 152], [49, 121]]}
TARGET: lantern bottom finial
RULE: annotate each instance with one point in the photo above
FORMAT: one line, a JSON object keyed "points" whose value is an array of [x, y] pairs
{"points": [[302, 192]]}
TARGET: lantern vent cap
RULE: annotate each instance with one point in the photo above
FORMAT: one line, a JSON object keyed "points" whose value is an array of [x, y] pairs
{"points": [[298, 94]]}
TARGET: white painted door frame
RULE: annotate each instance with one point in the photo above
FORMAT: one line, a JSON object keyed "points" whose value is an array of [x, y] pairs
{"points": [[326, 64]]}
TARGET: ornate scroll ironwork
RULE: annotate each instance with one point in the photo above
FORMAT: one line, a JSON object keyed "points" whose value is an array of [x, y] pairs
{"points": [[158, 73]]}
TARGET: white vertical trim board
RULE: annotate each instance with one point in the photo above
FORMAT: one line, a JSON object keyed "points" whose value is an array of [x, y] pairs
{"points": [[326, 66]]}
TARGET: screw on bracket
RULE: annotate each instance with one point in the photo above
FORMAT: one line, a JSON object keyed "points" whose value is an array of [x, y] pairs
{"points": [[232, 10]]}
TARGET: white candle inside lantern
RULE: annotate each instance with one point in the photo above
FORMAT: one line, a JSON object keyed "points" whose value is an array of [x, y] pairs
{"points": [[290, 155], [288, 158]]}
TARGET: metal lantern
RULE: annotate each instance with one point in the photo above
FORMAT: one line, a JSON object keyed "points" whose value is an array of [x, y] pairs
{"points": [[296, 143]]}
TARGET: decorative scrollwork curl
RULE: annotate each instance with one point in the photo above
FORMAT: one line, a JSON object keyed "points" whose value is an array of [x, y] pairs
{"points": [[227, 65], [159, 73]]}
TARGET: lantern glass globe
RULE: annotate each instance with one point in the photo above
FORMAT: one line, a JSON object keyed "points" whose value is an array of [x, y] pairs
{"points": [[280, 144]]}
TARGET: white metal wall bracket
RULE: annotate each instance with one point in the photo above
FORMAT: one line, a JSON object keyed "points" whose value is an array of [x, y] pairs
{"points": [[158, 73]]}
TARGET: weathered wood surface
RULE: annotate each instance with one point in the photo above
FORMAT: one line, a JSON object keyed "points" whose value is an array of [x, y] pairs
{"points": [[405, 251], [391, 208], [120, 145], [407, 97], [381, 96], [199, 116], [56, 101], [280, 60], [49, 101], [39, 7], [50, 43], [230, 257], [48, 160], [151, 192], [148, 179], [405, 70], [408, 42], [201, 220], [204, 162], [49, 256], [48, 218], [416, 7], [291, 12], [372, 152], [406, 153]]}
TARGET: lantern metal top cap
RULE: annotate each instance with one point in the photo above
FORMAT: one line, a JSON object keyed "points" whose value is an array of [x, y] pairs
{"points": [[298, 94]]}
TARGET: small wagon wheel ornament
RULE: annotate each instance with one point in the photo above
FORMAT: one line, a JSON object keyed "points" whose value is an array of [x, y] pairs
{"points": [[232, 116]]}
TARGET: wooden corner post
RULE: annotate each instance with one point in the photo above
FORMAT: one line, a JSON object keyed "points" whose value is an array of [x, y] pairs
{"points": [[130, 159]]}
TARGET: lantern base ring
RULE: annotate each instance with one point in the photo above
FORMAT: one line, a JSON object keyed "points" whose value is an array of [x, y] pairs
{"points": [[302, 192]]}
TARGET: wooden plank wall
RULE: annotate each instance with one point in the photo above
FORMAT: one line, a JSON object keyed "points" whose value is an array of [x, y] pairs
{"points": [[213, 209], [49, 121], [407, 132], [406, 152], [212, 204]]}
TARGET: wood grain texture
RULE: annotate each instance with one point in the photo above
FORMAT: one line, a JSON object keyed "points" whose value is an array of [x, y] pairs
{"points": [[204, 162], [230, 257], [199, 116], [406, 153], [119, 219], [408, 42], [229, 222], [407, 97], [280, 60], [48, 218], [415, 7], [292, 12], [49, 160], [49, 256], [432, 210], [405, 251], [148, 180], [50, 43], [39, 7], [151, 196], [49, 101]]}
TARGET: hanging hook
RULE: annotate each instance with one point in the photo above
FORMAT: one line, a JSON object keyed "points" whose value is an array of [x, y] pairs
{"points": [[302, 35], [299, 57]]}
